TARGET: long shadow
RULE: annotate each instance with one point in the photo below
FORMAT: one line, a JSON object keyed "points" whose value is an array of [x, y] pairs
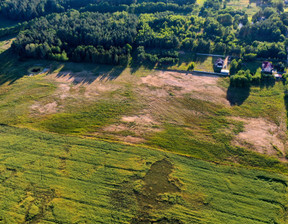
{"points": [[183, 58], [267, 82], [8, 71], [237, 96], [12, 68], [136, 65], [286, 104], [86, 73], [200, 58]]}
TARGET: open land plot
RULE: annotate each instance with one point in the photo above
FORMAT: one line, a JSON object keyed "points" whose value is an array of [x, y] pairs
{"points": [[199, 116]]}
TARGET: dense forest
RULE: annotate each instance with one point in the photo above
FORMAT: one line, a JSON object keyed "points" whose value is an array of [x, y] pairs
{"points": [[151, 31], [28, 9], [93, 37]]}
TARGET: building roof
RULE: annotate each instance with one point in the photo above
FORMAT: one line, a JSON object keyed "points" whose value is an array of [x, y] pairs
{"points": [[219, 60], [267, 66]]}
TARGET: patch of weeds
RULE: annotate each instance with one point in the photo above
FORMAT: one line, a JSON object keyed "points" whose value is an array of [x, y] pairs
{"points": [[86, 120], [131, 124], [279, 152], [126, 133], [170, 198]]}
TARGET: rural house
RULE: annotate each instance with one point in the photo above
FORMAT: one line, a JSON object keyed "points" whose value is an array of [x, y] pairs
{"points": [[219, 63], [267, 67]]}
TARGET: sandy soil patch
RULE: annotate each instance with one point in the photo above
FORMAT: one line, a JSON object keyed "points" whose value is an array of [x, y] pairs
{"points": [[131, 139], [202, 87], [49, 108], [63, 91], [138, 125], [142, 119], [84, 83], [262, 136]]}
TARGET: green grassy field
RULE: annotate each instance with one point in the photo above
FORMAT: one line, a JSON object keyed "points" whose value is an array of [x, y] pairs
{"points": [[208, 136], [47, 178], [56, 168]]}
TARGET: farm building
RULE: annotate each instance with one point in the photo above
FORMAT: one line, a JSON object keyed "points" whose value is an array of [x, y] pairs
{"points": [[219, 63], [267, 67]]}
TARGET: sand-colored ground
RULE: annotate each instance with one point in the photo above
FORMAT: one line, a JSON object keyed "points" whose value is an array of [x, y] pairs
{"points": [[262, 136], [202, 87]]}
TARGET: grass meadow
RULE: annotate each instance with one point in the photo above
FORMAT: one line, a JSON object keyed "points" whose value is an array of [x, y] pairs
{"points": [[48, 178]]}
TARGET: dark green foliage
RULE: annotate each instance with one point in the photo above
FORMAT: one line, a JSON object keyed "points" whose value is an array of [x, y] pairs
{"points": [[235, 66], [191, 66], [173, 24], [241, 79], [280, 67], [249, 57], [225, 19], [256, 78], [91, 37]]}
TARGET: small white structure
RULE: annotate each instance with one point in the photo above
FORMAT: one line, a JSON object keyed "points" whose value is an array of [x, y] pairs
{"points": [[225, 72], [278, 76]]}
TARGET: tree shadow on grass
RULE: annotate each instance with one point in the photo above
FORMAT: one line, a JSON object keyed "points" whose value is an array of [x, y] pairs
{"points": [[286, 104], [86, 73], [267, 83], [9, 70], [237, 96], [12, 69], [135, 65]]}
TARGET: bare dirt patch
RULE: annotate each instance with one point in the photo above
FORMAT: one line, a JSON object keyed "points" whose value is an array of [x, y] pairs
{"points": [[157, 93], [85, 84], [262, 136], [63, 91], [132, 129], [49, 108], [140, 119], [202, 87]]}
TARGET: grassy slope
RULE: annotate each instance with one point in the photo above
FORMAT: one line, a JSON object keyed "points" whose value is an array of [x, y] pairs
{"points": [[207, 136], [53, 179]]}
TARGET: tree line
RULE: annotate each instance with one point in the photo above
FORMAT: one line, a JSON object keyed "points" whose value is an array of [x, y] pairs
{"points": [[99, 30], [29, 9], [92, 37]]}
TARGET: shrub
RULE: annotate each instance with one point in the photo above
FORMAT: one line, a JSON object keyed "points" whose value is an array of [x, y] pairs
{"points": [[256, 78], [191, 66], [249, 57], [280, 67], [242, 79]]}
